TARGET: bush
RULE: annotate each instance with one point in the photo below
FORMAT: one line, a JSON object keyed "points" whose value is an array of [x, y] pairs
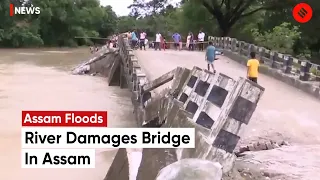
{"points": [[21, 37], [314, 71], [282, 38]]}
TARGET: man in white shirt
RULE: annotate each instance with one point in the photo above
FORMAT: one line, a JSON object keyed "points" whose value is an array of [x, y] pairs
{"points": [[142, 40], [158, 40], [201, 37]]}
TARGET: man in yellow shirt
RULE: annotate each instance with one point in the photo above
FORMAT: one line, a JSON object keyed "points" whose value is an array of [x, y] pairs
{"points": [[253, 68]]}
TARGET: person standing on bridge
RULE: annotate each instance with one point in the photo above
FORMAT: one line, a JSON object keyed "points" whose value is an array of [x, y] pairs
{"points": [[210, 56], [253, 68], [142, 40], [158, 41], [191, 45], [188, 41], [163, 43], [134, 40], [176, 38], [201, 37]]}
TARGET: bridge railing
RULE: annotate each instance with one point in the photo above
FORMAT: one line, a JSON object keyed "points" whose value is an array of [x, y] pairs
{"points": [[135, 77], [302, 69]]}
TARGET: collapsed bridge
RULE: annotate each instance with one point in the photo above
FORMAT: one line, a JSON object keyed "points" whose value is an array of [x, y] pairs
{"points": [[216, 105]]}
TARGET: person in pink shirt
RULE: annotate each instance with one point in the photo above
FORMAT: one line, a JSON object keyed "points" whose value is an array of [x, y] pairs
{"points": [[143, 36]]}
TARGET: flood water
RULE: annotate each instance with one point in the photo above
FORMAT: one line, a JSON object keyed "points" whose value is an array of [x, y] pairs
{"points": [[39, 79]]}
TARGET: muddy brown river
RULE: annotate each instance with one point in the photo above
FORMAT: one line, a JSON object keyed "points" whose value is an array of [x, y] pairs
{"points": [[39, 79]]}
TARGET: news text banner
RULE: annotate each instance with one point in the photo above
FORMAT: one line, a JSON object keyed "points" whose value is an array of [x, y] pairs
{"points": [[96, 137]]}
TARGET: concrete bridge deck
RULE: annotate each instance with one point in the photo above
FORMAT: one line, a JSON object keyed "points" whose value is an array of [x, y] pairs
{"points": [[283, 113]]}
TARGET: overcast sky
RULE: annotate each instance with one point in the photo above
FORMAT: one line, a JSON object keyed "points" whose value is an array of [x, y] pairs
{"points": [[120, 6]]}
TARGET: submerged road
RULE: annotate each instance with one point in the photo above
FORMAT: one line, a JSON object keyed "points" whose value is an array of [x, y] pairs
{"points": [[283, 113]]}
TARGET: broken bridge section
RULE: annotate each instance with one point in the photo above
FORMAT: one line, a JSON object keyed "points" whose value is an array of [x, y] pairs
{"points": [[217, 106], [100, 62]]}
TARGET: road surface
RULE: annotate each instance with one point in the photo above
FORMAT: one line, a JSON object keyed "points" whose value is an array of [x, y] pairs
{"points": [[283, 113], [283, 110]]}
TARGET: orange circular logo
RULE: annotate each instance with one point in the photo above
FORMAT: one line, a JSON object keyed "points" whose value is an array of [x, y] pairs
{"points": [[302, 12]]}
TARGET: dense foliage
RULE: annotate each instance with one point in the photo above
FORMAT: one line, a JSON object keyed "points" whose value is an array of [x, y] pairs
{"points": [[57, 25], [267, 23]]}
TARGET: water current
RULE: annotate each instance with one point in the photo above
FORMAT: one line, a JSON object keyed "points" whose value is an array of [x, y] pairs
{"points": [[39, 79]]}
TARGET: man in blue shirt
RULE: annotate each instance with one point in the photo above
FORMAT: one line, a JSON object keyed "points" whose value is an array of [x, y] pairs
{"points": [[134, 40], [211, 56], [176, 38]]}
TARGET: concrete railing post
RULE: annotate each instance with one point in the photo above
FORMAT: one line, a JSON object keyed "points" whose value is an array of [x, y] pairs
{"points": [[233, 45], [246, 49], [220, 42], [251, 48], [135, 79], [229, 43], [287, 64], [225, 42], [305, 71], [216, 40], [261, 54], [133, 61], [273, 57], [241, 44], [138, 80], [141, 81]]}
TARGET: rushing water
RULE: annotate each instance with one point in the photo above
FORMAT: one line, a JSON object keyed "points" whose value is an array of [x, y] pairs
{"points": [[40, 80]]}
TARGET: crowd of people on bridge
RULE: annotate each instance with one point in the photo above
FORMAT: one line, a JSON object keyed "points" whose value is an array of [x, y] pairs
{"points": [[140, 41]]}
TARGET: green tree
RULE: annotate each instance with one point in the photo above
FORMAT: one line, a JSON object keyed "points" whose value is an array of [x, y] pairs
{"points": [[281, 38], [229, 12], [194, 17], [58, 23]]}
